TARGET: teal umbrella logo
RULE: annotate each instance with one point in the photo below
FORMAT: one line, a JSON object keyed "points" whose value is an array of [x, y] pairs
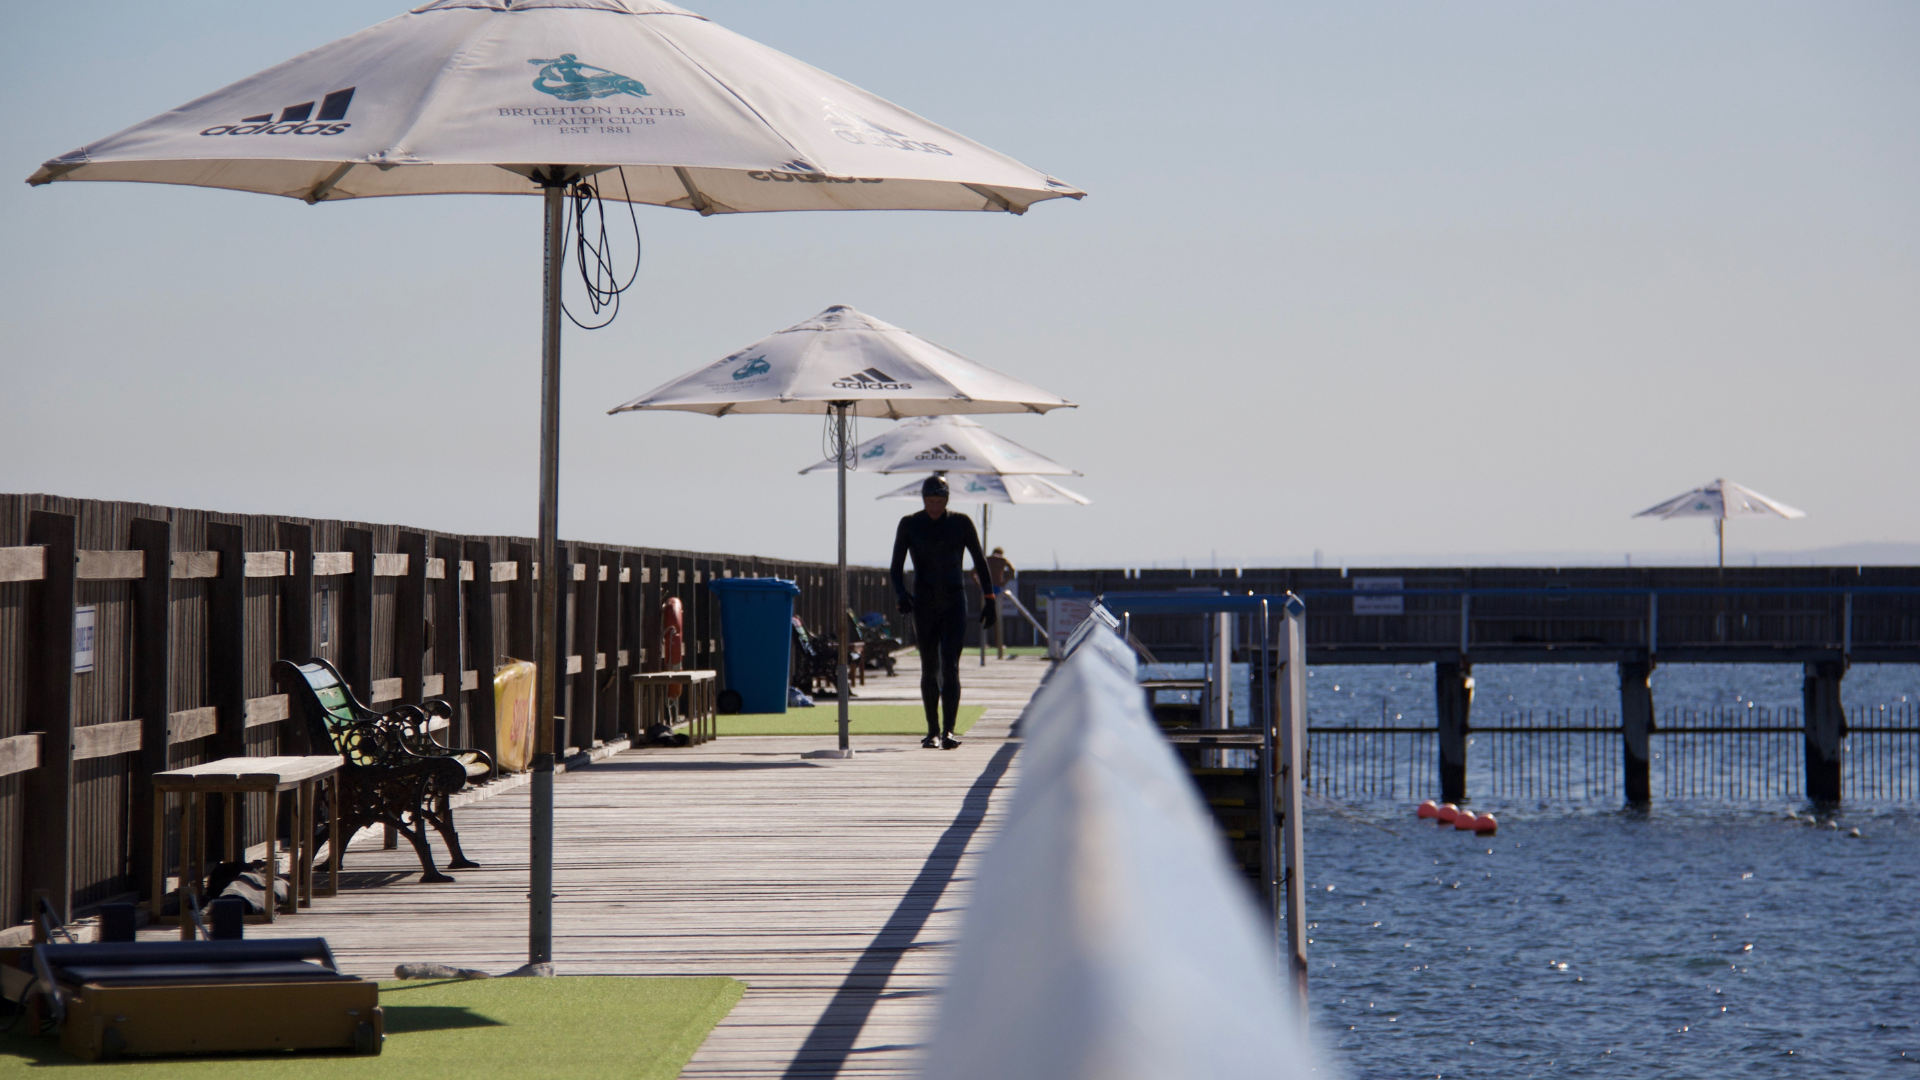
{"points": [[756, 366], [570, 80]]}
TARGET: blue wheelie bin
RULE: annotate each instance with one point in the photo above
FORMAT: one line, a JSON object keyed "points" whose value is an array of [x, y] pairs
{"points": [[756, 634]]}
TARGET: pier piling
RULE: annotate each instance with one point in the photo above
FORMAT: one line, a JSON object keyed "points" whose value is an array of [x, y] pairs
{"points": [[1825, 720], [1453, 693], [1636, 729]]}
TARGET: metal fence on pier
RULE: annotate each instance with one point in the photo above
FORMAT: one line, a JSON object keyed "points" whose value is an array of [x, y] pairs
{"points": [[1728, 754]]}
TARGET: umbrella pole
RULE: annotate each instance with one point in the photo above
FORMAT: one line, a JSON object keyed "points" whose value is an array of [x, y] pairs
{"points": [[1720, 534], [842, 691], [548, 667], [985, 600]]}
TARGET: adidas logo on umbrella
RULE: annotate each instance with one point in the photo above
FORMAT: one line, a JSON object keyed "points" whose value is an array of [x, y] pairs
{"points": [[943, 452], [295, 119], [870, 379]]}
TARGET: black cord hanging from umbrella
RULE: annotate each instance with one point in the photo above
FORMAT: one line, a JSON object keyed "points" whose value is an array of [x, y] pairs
{"points": [[594, 257]]}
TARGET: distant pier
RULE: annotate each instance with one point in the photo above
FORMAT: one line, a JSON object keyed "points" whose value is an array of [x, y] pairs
{"points": [[1823, 618]]}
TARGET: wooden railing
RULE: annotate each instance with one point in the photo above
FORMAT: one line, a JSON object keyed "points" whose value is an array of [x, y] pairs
{"points": [[137, 638]]}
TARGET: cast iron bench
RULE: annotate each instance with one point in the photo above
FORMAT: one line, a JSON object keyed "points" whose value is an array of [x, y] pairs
{"points": [[394, 773]]}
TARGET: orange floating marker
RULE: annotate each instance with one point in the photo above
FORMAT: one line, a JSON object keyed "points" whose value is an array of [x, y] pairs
{"points": [[1446, 813], [1428, 809], [1464, 820], [1484, 823]]}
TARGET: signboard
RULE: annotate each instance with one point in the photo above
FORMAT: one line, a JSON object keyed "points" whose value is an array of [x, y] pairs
{"points": [[83, 624], [1378, 605], [1064, 616]]}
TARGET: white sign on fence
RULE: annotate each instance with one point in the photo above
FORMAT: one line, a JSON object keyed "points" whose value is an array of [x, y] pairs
{"points": [[1064, 616], [1378, 605], [83, 624]]}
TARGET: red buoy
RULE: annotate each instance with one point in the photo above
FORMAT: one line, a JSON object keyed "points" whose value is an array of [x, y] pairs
{"points": [[1464, 821], [1484, 823], [1428, 809], [1446, 813]]}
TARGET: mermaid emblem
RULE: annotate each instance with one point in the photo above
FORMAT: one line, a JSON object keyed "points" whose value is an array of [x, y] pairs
{"points": [[570, 80]]}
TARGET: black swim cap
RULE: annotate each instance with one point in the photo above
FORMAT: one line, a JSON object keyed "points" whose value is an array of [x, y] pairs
{"points": [[935, 487]]}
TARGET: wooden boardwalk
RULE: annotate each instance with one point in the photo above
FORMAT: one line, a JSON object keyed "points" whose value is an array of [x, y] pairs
{"points": [[834, 889]]}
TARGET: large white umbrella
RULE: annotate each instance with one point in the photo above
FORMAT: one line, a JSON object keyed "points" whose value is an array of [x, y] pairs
{"points": [[845, 363], [987, 488], [648, 101], [1721, 500], [953, 444]]}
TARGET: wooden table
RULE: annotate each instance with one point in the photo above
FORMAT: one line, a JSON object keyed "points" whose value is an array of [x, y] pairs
{"points": [[652, 695], [235, 776]]}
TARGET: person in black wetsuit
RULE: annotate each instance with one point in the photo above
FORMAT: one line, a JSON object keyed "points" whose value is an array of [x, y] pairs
{"points": [[939, 542]]}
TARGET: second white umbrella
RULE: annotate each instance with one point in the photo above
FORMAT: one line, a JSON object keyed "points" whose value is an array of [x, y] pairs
{"points": [[845, 363], [986, 488]]}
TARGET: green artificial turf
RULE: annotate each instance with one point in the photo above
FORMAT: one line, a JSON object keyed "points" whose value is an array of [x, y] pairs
{"points": [[491, 1029], [824, 719]]}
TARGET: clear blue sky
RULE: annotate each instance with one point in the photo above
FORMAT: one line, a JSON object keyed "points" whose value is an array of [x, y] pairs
{"points": [[1379, 279]]}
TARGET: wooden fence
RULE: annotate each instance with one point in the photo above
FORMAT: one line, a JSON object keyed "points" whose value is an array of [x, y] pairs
{"points": [[137, 638]]}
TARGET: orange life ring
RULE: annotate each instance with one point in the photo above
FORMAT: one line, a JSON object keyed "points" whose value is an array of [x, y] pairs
{"points": [[673, 638]]}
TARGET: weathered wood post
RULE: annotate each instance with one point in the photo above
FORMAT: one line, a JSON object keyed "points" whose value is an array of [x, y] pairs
{"points": [[227, 675], [356, 614], [449, 637], [562, 571], [606, 680], [152, 686], [583, 713], [296, 606], [520, 604], [410, 618], [480, 647], [48, 828], [1826, 725], [1636, 728], [1453, 694]]}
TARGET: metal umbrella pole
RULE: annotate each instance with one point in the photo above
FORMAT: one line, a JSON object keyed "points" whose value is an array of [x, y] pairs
{"points": [[985, 600], [841, 688], [547, 669]]}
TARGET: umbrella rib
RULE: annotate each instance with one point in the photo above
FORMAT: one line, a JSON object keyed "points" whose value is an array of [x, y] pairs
{"points": [[701, 203], [481, 29], [731, 92], [325, 187], [996, 199]]}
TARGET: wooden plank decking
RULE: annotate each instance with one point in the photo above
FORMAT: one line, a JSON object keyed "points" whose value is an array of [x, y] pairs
{"points": [[832, 888]]}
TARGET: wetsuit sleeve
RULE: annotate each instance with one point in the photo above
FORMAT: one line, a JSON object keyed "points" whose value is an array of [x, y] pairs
{"points": [[899, 569], [979, 559]]}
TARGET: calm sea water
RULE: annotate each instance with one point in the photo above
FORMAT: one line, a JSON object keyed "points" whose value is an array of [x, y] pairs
{"points": [[1680, 943], [1697, 940]]}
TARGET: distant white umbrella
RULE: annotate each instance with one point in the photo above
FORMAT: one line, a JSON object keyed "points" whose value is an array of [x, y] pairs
{"points": [[646, 101], [845, 363], [951, 444], [842, 356], [1721, 500], [1017, 490], [956, 444]]}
